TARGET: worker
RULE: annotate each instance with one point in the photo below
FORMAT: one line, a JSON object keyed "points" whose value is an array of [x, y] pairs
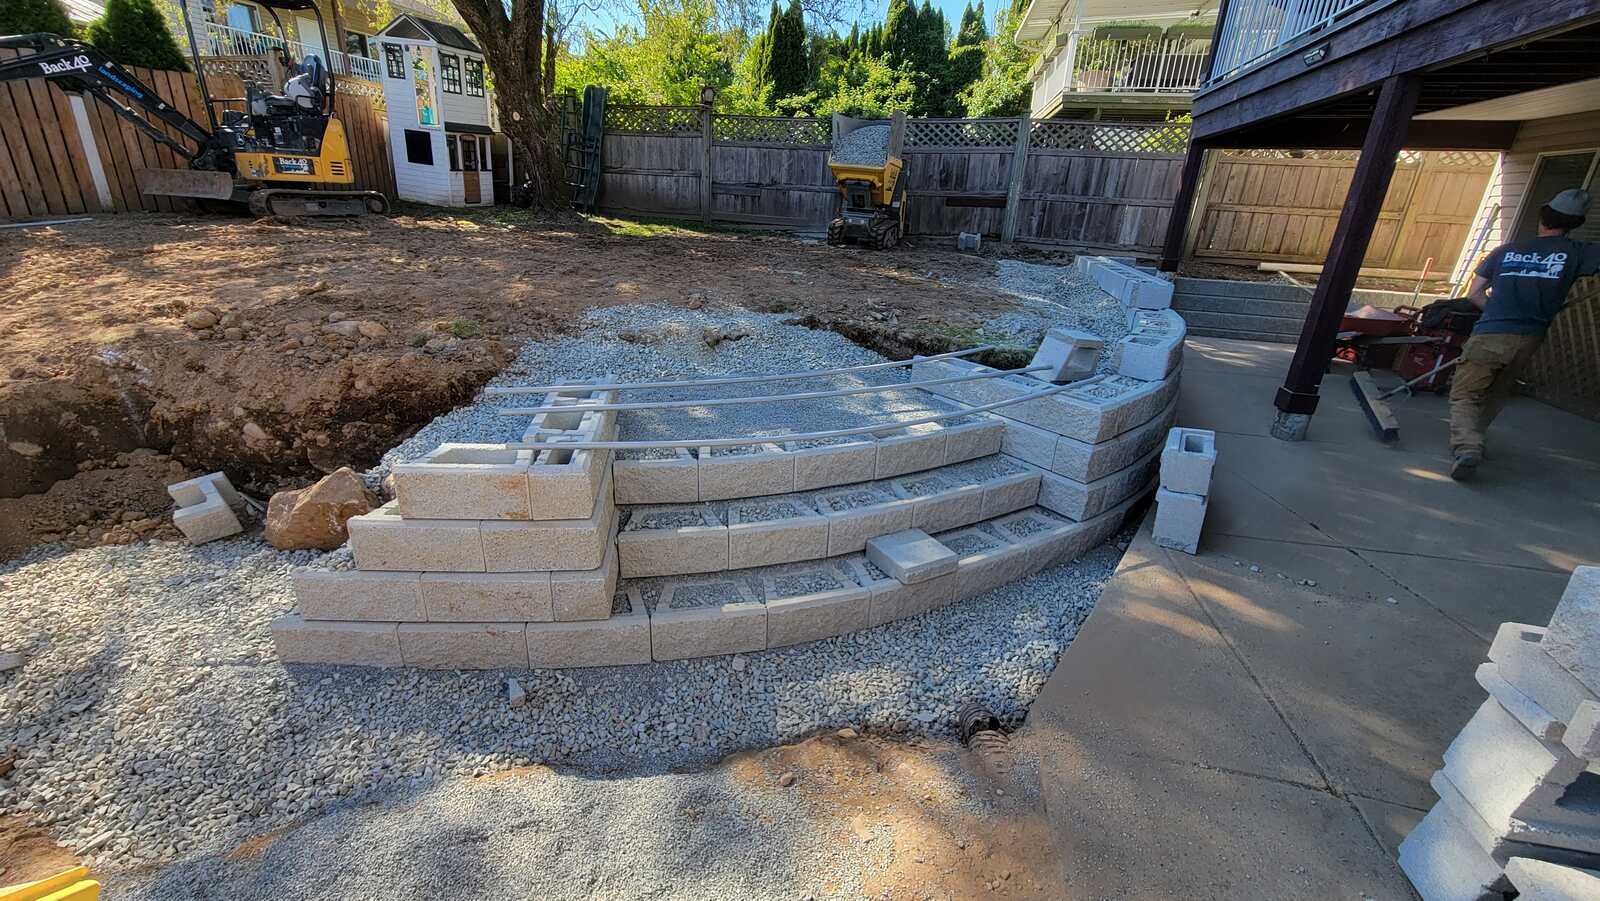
{"points": [[1520, 287]]}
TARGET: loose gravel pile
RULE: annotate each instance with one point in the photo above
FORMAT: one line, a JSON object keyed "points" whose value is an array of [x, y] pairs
{"points": [[866, 146], [1056, 297], [152, 720]]}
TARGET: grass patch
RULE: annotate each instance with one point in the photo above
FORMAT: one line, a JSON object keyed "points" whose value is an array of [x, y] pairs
{"points": [[465, 328]]}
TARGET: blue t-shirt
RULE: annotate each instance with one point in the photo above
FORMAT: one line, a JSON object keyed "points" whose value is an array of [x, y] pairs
{"points": [[1529, 281]]}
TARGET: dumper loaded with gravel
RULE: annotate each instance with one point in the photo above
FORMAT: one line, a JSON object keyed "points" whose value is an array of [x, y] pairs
{"points": [[866, 163]]}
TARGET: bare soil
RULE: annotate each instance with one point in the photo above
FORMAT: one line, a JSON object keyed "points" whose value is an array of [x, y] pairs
{"points": [[98, 359], [28, 853], [115, 501]]}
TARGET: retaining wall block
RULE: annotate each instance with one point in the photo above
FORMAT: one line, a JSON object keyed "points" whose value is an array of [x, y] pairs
{"points": [[467, 646], [657, 481], [939, 504], [1505, 840], [551, 544], [1030, 444], [753, 541], [353, 595], [735, 623], [484, 597], [1135, 289], [299, 640], [382, 540], [850, 527], [698, 546], [1582, 735], [1187, 459], [564, 483], [1518, 651], [205, 511], [911, 556], [1538, 880], [817, 615], [980, 436], [986, 561], [1071, 354], [1444, 862], [725, 475], [1179, 518], [910, 449], [1526, 710], [1083, 462], [1573, 638], [620, 640], [1079, 501], [1006, 493], [465, 481], [852, 459], [578, 595]]}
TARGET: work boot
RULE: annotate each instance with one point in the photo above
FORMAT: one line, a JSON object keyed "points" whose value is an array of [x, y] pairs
{"points": [[1465, 465]]}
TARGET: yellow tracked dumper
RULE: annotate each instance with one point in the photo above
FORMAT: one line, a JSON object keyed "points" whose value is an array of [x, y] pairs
{"points": [[866, 163]]}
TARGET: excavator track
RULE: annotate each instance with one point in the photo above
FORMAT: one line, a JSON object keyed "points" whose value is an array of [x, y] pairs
{"points": [[288, 203]]}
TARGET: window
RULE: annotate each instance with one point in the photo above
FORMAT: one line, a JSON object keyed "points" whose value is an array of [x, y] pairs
{"points": [[474, 77], [483, 154], [1553, 173], [419, 147], [358, 44], [450, 73], [394, 58], [469, 153], [450, 144], [242, 16]]}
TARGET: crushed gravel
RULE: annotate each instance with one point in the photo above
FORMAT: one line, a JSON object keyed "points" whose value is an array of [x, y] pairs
{"points": [[1056, 297], [866, 146]]}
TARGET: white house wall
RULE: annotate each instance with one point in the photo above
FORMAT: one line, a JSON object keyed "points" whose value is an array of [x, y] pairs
{"points": [[459, 109], [423, 184]]}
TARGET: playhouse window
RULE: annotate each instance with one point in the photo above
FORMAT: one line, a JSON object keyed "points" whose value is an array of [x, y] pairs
{"points": [[394, 59], [450, 73], [450, 143], [474, 77]]}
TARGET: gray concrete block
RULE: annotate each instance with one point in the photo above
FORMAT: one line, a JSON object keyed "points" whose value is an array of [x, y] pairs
{"points": [[1028, 443], [577, 595], [839, 461], [910, 449], [484, 597], [1079, 501], [621, 640], [1012, 491], [353, 595], [1445, 864], [1187, 459], [1098, 409], [1582, 735], [1502, 841], [858, 513], [670, 479], [939, 503], [1518, 651], [1526, 710], [672, 540], [299, 640], [1573, 638], [818, 615], [706, 617], [986, 561], [550, 544], [464, 645], [564, 483], [1071, 354], [192, 491], [911, 556], [465, 481], [1538, 880], [1135, 289], [748, 471], [1179, 518], [969, 439], [207, 508], [382, 540], [1083, 462], [774, 530]]}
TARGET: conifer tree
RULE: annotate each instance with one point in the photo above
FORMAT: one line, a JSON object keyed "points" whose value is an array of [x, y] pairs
{"points": [[135, 33], [30, 16]]}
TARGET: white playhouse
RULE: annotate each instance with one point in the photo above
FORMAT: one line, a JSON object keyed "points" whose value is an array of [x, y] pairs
{"points": [[441, 122]]}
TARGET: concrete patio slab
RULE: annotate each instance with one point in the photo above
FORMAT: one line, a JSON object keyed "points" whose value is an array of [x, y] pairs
{"points": [[1480, 596]]}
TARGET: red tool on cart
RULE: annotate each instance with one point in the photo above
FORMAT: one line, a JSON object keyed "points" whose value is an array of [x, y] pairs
{"points": [[1422, 345]]}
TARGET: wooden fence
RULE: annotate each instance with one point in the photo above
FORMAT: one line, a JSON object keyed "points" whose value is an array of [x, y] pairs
{"points": [[62, 155], [1565, 372]]}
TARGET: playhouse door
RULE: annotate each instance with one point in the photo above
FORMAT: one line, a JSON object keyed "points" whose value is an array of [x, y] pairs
{"points": [[469, 188]]}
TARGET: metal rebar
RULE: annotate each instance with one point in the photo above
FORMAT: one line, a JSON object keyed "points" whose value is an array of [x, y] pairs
{"points": [[732, 380], [767, 398]]}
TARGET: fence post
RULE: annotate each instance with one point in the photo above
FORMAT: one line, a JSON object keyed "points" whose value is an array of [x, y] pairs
{"points": [[1202, 199], [1019, 163], [91, 152], [705, 163]]}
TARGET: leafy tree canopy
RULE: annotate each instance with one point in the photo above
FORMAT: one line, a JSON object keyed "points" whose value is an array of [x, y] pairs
{"points": [[30, 16], [135, 33]]}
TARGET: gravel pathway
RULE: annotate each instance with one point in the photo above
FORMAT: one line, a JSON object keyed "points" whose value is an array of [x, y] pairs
{"points": [[152, 720]]}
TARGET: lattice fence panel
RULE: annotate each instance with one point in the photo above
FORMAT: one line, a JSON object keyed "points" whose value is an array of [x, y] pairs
{"points": [[1466, 159], [1263, 154], [772, 130], [660, 120], [1100, 137], [961, 133]]}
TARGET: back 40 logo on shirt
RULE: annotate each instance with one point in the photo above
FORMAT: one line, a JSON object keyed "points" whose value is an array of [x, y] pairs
{"points": [[1532, 265]]}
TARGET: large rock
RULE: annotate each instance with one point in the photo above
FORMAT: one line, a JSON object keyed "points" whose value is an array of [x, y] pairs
{"points": [[315, 517]]}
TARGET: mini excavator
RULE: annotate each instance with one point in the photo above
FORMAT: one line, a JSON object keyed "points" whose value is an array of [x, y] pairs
{"points": [[269, 156]]}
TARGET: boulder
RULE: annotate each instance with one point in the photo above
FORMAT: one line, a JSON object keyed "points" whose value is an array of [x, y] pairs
{"points": [[315, 517], [200, 320]]}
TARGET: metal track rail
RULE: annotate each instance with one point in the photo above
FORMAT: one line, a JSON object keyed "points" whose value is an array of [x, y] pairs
{"points": [[733, 380], [801, 436], [766, 398]]}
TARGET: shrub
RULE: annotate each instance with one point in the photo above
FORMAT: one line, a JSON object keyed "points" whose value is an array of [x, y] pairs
{"points": [[135, 33]]}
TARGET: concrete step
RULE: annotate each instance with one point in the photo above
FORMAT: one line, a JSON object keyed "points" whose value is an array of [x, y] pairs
{"points": [[671, 540], [1236, 322], [679, 475], [1240, 306]]}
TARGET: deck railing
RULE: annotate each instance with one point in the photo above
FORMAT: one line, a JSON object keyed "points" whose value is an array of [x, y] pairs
{"points": [[1255, 30], [225, 40], [1171, 66]]}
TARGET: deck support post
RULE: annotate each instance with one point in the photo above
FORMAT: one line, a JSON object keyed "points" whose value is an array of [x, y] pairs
{"points": [[1297, 398], [1183, 207]]}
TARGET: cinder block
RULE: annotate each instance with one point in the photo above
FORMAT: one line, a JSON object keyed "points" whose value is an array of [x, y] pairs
{"points": [[1504, 840], [1573, 638], [1538, 880], [1148, 357], [485, 597], [621, 640], [1444, 863], [817, 615], [551, 544], [299, 640], [382, 540], [1136, 290], [668, 475], [826, 462], [465, 481], [911, 556], [774, 530], [1526, 710], [464, 645], [1083, 462], [1187, 460], [1071, 354], [706, 617], [972, 437], [859, 513], [565, 483], [207, 508], [1012, 491], [986, 561], [750, 470], [577, 595], [1179, 518], [910, 449], [353, 595], [1518, 652], [669, 541], [1030, 444], [1079, 501], [939, 503], [1582, 735]]}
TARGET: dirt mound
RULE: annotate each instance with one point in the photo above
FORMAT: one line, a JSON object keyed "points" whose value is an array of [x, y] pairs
{"points": [[115, 501]]}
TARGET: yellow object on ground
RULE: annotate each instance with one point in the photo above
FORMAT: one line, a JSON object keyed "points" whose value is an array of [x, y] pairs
{"points": [[882, 178], [71, 885]]}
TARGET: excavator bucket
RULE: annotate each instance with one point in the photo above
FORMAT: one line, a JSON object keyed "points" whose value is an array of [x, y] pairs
{"points": [[185, 183]]}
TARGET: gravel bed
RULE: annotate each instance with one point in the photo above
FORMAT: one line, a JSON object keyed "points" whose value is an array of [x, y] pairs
{"points": [[650, 520], [1056, 297], [969, 543], [791, 586], [152, 720], [918, 487], [853, 500], [1024, 526], [707, 594], [741, 450], [866, 146], [648, 453], [765, 511]]}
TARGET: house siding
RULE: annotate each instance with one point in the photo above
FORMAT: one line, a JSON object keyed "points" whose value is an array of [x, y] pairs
{"points": [[460, 108]]}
